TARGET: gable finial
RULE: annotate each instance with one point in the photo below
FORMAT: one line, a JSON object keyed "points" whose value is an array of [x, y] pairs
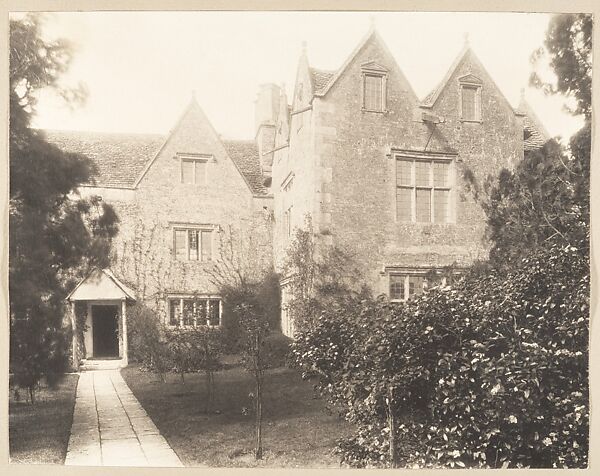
{"points": [[193, 94], [304, 47], [522, 94], [466, 37], [372, 22]]}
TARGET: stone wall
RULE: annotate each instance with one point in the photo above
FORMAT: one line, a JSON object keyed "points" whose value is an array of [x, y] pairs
{"points": [[354, 179], [144, 249]]}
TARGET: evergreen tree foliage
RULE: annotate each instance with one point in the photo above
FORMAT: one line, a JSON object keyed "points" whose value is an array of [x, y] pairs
{"points": [[568, 49], [546, 199], [54, 235]]}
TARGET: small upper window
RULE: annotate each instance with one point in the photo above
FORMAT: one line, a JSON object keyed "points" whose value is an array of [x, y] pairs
{"points": [[469, 104], [470, 98], [373, 92], [374, 87], [193, 169]]}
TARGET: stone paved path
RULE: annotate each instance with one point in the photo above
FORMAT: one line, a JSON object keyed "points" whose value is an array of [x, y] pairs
{"points": [[110, 427]]}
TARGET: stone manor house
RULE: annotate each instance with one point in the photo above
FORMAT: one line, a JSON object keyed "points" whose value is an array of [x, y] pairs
{"points": [[380, 173]]}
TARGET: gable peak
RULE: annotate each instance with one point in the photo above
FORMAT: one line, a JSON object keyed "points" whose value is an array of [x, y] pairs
{"points": [[371, 35]]}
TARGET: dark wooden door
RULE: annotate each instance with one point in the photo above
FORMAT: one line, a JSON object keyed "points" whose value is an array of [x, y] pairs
{"points": [[105, 331]]}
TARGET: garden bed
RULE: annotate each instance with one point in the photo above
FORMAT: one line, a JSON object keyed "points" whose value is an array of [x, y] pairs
{"points": [[298, 429], [39, 433]]}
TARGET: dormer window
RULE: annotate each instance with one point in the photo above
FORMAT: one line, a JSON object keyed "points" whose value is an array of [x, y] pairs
{"points": [[374, 87], [470, 98], [193, 168]]}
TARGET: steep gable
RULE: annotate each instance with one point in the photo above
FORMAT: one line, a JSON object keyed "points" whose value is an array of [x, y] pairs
{"points": [[466, 57], [304, 88], [535, 134], [373, 40], [429, 100], [194, 133], [282, 127]]}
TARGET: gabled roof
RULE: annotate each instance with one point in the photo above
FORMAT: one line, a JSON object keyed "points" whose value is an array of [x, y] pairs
{"points": [[431, 98], [536, 134], [245, 155], [371, 34], [118, 158], [320, 79], [532, 126], [100, 284]]}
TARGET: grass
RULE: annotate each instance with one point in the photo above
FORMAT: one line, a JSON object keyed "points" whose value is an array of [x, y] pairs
{"points": [[39, 433], [298, 430]]}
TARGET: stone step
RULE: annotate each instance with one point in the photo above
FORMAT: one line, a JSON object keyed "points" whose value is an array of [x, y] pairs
{"points": [[101, 364]]}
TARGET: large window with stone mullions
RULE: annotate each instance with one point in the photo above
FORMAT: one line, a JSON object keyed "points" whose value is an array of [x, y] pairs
{"points": [[423, 189]]}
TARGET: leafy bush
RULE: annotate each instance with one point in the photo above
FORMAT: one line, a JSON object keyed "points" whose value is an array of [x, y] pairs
{"points": [[196, 349], [147, 341], [266, 291], [496, 369], [277, 349], [184, 349], [36, 355]]}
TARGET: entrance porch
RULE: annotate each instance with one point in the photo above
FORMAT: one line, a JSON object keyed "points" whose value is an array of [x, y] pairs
{"points": [[105, 331]]}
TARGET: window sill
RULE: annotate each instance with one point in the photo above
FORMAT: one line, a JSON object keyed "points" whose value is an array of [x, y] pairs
{"points": [[424, 224], [374, 110], [473, 121], [191, 326], [194, 261]]}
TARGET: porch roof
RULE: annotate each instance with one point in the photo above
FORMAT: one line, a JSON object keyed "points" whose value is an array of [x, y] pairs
{"points": [[101, 285]]}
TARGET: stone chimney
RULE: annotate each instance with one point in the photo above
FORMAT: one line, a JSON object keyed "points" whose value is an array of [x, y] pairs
{"points": [[266, 111]]}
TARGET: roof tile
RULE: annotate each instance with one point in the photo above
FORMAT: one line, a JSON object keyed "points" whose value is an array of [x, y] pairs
{"points": [[320, 79], [120, 158], [245, 155]]}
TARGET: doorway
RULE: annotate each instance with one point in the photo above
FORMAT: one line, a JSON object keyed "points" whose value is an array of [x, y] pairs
{"points": [[105, 330]]}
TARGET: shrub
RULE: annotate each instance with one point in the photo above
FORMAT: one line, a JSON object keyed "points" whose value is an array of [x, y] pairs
{"points": [[184, 349], [277, 349], [196, 349], [36, 355], [147, 340], [266, 292], [496, 369]]}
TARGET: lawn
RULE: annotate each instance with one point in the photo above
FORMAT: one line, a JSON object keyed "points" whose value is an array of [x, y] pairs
{"points": [[298, 430], [40, 433]]}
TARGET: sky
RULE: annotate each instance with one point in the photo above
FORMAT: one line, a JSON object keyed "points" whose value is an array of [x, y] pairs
{"points": [[141, 68]]}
